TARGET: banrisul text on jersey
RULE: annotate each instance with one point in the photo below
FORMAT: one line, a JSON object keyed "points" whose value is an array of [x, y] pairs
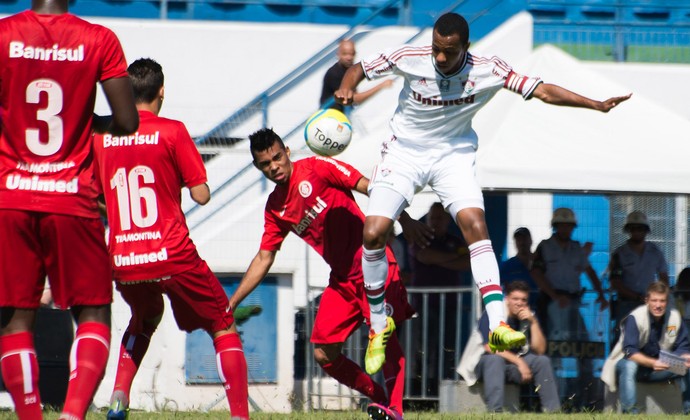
{"points": [[54, 53]]}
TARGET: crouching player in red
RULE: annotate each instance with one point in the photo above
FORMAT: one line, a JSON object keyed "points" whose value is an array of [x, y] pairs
{"points": [[313, 198], [150, 247]]}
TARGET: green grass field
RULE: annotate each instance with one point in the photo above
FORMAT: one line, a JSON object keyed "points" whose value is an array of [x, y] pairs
{"points": [[332, 415]]}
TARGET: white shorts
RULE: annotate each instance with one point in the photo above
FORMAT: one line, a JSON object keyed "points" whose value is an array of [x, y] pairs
{"points": [[407, 168]]}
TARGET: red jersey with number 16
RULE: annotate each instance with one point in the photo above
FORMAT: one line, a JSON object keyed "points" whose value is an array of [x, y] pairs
{"points": [[142, 175], [317, 204], [49, 67]]}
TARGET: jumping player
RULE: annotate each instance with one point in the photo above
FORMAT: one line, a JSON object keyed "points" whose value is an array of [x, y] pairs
{"points": [[433, 143], [51, 62], [313, 198], [141, 176]]}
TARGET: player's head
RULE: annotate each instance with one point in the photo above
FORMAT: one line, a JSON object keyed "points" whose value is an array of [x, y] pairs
{"points": [[270, 155], [346, 53], [450, 42], [147, 81]]}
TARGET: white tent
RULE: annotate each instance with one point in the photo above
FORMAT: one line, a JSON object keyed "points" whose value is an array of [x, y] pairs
{"points": [[637, 147]]}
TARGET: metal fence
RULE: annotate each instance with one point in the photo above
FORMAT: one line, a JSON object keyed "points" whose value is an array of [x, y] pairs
{"points": [[432, 341]]}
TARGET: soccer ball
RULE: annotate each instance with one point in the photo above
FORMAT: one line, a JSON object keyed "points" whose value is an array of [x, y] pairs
{"points": [[328, 132]]}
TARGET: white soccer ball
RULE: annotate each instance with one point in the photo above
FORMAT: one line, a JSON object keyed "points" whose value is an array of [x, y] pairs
{"points": [[328, 132]]}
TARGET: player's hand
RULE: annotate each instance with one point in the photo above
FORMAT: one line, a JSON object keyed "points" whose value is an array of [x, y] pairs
{"points": [[243, 313], [611, 103], [344, 96], [416, 232]]}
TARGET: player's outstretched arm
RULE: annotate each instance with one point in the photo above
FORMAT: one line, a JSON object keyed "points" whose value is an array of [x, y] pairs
{"points": [[125, 118], [556, 95], [256, 272], [346, 93]]}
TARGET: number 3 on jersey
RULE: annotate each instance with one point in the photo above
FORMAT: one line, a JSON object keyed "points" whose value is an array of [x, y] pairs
{"points": [[49, 115], [131, 195]]}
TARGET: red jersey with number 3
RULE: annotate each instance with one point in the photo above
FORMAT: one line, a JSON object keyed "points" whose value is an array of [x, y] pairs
{"points": [[49, 67], [141, 176], [317, 204]]}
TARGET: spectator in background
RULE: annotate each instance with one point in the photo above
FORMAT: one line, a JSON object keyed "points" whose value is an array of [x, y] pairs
{"points": [[645, 332], [334, 75], [528, 364], [681, 292], [445, 262], [519, 266], [558, 263], [634, 266]]}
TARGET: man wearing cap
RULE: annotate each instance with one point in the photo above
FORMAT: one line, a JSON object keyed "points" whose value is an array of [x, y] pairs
{"points": [[635, 265], [558, 263], [519, 266]]}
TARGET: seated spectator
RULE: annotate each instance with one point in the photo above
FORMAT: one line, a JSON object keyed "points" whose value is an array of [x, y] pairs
{"points": [[649, 329], [524, 365]]}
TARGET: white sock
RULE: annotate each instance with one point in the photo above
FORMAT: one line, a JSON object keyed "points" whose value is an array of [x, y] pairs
{"points": [[375, 271], [488, 280]]}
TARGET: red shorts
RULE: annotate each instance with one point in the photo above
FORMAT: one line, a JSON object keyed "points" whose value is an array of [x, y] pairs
{"points": [[70, 250], [344, 306], [197, 298]]}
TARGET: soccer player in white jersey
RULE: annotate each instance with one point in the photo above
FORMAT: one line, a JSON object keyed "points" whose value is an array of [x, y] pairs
{"points": [[433, 143]]}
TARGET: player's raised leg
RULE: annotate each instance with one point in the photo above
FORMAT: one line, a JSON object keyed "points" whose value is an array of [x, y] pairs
{"points": [[487, 278]]}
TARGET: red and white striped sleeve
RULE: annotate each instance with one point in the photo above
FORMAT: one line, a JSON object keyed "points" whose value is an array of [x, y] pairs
{"points": [[524, 85]]}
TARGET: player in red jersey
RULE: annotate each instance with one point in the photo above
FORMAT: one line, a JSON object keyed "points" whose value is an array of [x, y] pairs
{"points": [[149, 242], [313, 198], [50, 64]]}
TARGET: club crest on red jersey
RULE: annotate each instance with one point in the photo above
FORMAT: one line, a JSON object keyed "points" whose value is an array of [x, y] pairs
{"points": [[305, 189]]}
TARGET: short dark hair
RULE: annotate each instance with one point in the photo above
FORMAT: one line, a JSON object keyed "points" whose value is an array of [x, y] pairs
{"points": [[522, 231], [263, 139], [452, 23], [519, 285], [147, 79]]}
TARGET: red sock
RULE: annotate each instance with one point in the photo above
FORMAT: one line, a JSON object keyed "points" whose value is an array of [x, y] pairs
{"points": [[132, 351], [394, 373], [88, 359], [20, 373], [232, 368], [350, 374]]}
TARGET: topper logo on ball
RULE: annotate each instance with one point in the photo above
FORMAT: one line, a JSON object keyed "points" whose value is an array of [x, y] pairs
{"points": [[328, 132], [327, 142]]}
